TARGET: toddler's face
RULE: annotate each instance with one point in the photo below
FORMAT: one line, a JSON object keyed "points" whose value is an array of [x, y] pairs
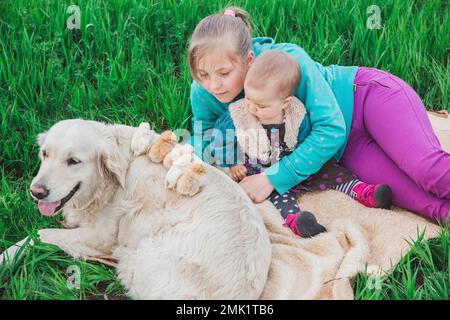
{"points": [[265, 105], [220, 77]]}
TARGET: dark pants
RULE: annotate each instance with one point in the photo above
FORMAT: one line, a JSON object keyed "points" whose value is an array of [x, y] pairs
{"points": [[328, 177]]}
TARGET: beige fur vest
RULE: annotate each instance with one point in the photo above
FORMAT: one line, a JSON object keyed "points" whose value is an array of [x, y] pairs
{"points": [[251, 136]]}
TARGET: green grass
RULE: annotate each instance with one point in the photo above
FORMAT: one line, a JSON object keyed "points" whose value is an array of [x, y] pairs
{"points": [[422, 274], [128, 64]]}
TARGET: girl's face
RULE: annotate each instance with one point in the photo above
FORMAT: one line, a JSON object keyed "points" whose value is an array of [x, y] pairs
{"points": [[221, 77]]}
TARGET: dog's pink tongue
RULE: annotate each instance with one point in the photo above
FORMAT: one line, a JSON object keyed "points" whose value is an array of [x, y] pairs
{"points": [[48, 208]]}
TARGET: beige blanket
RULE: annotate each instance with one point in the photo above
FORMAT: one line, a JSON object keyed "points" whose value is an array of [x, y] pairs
{"points": [[324, 266]]}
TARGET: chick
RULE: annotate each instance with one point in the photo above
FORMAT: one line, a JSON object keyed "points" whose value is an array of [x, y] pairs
{"points": [[184, 170], [142, 138], [162, 146]]}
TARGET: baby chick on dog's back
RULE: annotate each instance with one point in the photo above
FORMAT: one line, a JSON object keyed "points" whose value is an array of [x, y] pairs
{"points": [[142, 138]]}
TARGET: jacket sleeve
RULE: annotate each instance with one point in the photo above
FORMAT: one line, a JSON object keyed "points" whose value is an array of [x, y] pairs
{"points": [[203, 121], [224, 141], [328, 131]]}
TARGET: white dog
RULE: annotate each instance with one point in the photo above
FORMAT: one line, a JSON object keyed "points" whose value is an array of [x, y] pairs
{"points": [[212, 245]]}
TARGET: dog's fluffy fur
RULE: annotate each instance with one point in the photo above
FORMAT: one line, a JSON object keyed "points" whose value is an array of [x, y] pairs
{"points": [[168, 246]]}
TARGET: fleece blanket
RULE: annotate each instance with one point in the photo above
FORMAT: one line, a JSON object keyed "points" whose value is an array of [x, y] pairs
{"points": [[359, 239]]}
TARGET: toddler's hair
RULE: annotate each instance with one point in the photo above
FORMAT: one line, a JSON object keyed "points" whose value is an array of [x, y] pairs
{"points": [[275, 70], [232, 34]]}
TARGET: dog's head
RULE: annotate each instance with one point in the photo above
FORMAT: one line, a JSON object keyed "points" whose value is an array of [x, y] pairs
{"points": [[77, 156]]}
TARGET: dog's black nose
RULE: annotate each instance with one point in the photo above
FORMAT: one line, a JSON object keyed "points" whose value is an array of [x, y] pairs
{"points": [[39, 191]]}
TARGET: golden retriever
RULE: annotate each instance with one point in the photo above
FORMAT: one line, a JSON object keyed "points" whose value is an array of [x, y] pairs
{"points": [[212, 245]]}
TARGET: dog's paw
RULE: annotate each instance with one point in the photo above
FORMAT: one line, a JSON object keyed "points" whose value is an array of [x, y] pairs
{"points": [[162, 146], [141, 140], [16, 251]]}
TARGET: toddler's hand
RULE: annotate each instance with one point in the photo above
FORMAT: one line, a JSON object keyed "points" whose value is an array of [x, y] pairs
{"points": [[238, 172], [258, 187]]}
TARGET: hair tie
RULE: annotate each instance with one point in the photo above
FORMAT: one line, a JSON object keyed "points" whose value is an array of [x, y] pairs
{"points": [[229, 12]]}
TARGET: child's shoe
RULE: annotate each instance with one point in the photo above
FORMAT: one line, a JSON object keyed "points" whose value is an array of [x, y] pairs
{"points": [[304, 224], [373, 196]]}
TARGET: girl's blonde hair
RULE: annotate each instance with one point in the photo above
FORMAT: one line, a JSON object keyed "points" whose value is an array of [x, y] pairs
{"points": [[214, 31]]}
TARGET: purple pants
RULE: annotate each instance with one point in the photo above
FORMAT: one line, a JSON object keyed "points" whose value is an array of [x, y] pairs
{"points": [[391, 141]]}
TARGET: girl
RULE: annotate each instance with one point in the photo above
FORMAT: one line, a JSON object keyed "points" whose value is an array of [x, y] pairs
{"points": [[368, 120]]}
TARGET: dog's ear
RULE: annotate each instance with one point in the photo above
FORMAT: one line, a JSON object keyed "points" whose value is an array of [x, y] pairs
{"points": [[112, 163], [41, 138]]}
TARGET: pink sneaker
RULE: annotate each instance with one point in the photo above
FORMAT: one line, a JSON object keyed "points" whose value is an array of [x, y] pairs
{"points": [[304, 224], [373, 196]]}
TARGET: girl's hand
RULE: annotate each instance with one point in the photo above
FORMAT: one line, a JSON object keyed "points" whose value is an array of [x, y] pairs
{"points": [[257, 187], [238, 172]]}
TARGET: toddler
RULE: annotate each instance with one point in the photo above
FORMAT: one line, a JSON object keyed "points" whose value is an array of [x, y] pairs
{"points": [[267, 125]]}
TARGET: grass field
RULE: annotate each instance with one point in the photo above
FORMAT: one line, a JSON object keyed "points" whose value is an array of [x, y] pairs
{"points": [[128, 64]]}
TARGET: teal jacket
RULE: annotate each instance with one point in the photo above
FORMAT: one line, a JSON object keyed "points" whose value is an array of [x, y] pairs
{"points": [[326, 92]]}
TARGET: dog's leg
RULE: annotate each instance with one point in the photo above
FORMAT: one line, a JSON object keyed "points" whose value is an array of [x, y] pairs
{"points": [[68, 241], [10, 254], [79, 242]]}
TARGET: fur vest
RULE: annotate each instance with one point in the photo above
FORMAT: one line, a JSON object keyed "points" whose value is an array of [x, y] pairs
{"points": [[251, 135]]}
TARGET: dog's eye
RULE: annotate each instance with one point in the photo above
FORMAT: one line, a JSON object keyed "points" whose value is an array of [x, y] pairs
{"points": [[73, 161], [44, 154]]}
